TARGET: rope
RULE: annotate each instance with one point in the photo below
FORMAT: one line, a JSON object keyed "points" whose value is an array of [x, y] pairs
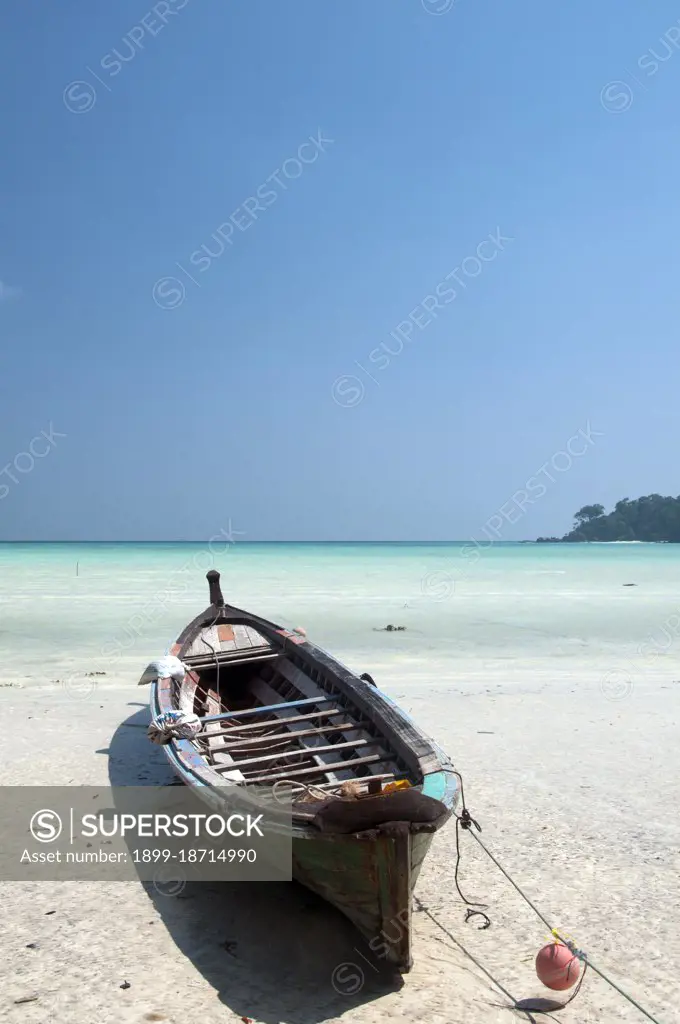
{"points": [[421, 906], [297, 788], [466, 821], [584, 956]]}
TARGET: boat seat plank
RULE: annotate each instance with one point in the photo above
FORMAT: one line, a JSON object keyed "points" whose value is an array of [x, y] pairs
{"points": [[384, 777], [296, 772], [242, 658], [307, 686], [264, 691], [353, 744], [254, 741], [215, 742], [251, 727], [260, 710]]}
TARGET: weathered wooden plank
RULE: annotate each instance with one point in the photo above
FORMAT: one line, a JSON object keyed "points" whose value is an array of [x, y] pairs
{"points": [[394, 889], [246, 763], [256, 639], [206, 642], [285, 734], [238, 730], [200, 661], [266, 692], [307, 686], [318, 770], [262, 709], [242, 637], [222, 759], [225, 634], [187, 692], [297, 677], [362, 778]]}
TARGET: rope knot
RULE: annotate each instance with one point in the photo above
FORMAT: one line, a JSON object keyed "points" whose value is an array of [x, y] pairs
{"points": [[467, 821]]}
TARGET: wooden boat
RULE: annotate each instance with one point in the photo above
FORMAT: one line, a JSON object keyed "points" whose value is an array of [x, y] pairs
{"points": [[359, 846]]}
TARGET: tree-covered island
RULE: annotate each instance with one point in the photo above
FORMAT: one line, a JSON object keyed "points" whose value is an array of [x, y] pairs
{"points": [[650, 518]]}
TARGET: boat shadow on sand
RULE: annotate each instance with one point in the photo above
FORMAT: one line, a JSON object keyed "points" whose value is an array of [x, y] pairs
{"points": [[271, 950]]}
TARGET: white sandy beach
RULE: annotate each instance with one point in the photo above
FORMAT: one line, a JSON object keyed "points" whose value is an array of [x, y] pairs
{"points": [[577, 794]]}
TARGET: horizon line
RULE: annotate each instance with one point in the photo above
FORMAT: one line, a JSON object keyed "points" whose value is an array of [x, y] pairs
{"points": [[242, 543]]}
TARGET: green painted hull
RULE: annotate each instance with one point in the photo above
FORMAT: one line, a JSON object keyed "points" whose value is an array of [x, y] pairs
{"points": [[370, 881]]}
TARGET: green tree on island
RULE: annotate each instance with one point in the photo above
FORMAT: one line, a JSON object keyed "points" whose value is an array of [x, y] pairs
{"points": [[650, 518], [587, 513]]}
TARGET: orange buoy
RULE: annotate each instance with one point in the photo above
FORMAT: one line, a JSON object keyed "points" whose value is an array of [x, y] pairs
{"points": [[557, 967]]}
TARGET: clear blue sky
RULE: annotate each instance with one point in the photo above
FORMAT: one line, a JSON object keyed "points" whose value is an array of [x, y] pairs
{"points": [[445, 127]]}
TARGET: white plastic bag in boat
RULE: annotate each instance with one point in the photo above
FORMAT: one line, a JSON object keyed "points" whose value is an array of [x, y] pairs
{"points": [[174, 724], [162, 668]]}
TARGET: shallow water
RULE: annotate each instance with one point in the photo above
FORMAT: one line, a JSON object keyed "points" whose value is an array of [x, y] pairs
{"points": [[519, 614]]}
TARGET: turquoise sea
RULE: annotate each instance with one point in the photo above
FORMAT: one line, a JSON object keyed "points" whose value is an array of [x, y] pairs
{"points": [[501, 614]]}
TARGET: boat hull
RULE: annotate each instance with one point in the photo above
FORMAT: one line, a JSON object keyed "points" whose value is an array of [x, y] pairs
{"points": [[361, 849], [371, 882]]}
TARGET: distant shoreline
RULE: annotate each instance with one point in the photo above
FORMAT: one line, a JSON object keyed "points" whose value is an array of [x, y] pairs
{"points": [[650, 519], [563, 540]]}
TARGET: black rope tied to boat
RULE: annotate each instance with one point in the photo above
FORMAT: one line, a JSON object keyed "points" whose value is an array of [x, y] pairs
{"points": [[465, 821]]}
